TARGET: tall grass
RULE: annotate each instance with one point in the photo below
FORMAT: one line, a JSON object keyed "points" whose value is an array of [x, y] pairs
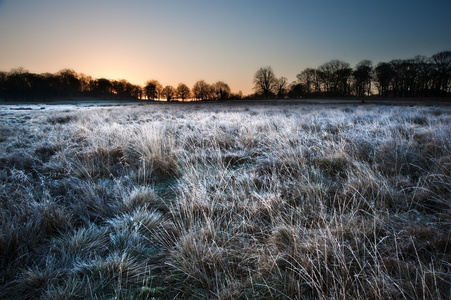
{"points": [[226, 202]]}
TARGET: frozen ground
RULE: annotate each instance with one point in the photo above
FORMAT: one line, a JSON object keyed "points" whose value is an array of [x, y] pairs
{"points": [[64, 106], [236, 200]]}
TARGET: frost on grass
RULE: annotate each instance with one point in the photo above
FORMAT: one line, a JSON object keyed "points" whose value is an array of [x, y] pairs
{"points": [[217, 201]]}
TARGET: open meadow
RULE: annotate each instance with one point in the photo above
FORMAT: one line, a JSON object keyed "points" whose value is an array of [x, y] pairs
{"points": [[226, 201]]}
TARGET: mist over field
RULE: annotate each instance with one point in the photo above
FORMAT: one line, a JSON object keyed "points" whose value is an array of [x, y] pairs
{"points": [[225, 201]]}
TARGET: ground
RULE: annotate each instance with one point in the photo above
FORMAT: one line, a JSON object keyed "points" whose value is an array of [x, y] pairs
{"points": [[225, 200]]}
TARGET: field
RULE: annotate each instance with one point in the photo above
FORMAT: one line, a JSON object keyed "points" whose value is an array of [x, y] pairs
{"points": [[226, 201]]}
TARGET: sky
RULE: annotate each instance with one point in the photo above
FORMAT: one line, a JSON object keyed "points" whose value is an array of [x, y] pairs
{"points": [[176, 41]]}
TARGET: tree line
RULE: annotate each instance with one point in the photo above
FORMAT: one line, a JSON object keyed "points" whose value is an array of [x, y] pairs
{"points": [[420, 76], [21, 85], [200, 91]]}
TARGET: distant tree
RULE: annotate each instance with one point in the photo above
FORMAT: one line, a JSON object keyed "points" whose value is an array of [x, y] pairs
{"points": [[120, 87], [149, 90], [297, 90], [201, 90], [424, 72], [221, 90], [18, 71], [182, 92], [152, 90], [363, 76], [168, 92], [310, 79], [125, 90], [30, 86], [335, 76], [265, 81], [236, 96], [132, 91], [383, 77], [102, 86], [281, 87], [16, 83], [69, 84], [442, 64], [85, 83], [3, 77], [137, 91], [49, 85], [403, 77], [38, 87]]}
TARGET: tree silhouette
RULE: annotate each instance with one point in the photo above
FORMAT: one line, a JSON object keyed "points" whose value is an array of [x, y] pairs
{"points": [[120, 87], [168, 92], [69, 85], [123, 89], [42, 86], [102, 86], [281, 87], [363, 76], [3, 77], [335, 76], [16, 84], [424, 71], [85, 83], [221, 90], [265, 81], [152, 90], [384, 76], [416, 77], [442, 63], [236, 96], [297, 90], [310, 79], [201, 90], [182, 92]]}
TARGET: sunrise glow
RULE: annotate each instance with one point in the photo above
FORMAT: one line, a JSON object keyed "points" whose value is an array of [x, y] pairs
{"points": [[182, 41]]}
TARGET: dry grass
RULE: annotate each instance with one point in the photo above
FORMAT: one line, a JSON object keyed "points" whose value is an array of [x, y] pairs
{"points": [[226, 202]]}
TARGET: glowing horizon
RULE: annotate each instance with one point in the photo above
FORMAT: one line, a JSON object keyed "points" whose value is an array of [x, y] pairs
{"points": [[182, 42]]}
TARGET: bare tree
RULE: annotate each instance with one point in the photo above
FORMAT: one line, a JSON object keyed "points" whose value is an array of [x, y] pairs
{"points": [[120, 87], [335, 76], [85, 83], [68, 84], [168, 92], [402, 77], [152, 90], [265, 81], [442, 63], [103, 86], [310, 79], [201, 90], [296, 90], [383, 77], [424, 73], [125, 90], [236, 96], [363, 76], [281, 87], [182, 91], [221, 90]]}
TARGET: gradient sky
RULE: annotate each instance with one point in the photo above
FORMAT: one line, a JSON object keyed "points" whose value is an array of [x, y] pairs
{"points": [[184, 41]]}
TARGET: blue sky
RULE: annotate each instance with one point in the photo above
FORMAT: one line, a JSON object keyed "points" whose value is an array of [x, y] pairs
{"points": [[185, 41]]}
